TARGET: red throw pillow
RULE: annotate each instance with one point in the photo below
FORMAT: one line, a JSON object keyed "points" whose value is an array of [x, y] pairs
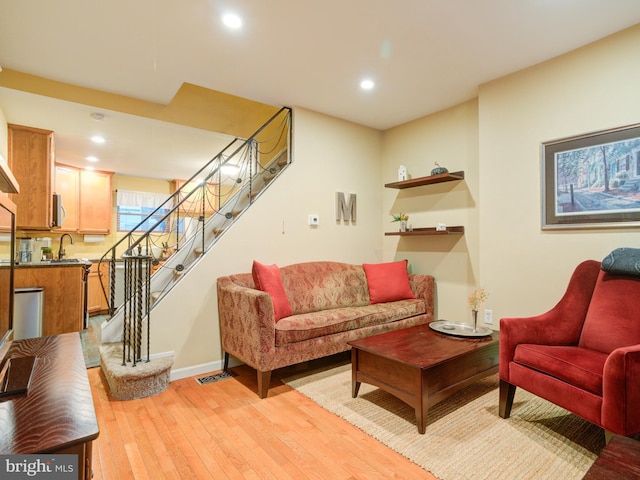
{"points": [[267, 278], [388, 282]]}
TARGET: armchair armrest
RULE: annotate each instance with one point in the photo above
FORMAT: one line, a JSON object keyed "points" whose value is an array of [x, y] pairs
{"points": [[422, 287], [247, 323], [559, 326], [621, 391]]}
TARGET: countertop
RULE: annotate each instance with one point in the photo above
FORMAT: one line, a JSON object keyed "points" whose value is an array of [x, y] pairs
{"points": [[66, 263]]}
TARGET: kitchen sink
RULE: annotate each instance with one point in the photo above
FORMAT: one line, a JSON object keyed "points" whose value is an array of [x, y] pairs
{"points": [[65, 260]]}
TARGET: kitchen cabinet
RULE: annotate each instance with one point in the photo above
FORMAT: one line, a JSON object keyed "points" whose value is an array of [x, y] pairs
{"points": [[96, 300], [31, 159], [64, 294], [86, 198], [95, 202], [67, 185], [419, 182]]}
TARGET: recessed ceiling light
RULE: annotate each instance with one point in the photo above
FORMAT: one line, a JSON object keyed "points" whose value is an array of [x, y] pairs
{"points": [[232, 20], [367, 84], [91, 158], [97, 139]]}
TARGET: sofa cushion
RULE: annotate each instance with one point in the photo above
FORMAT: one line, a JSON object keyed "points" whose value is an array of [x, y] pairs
{"points": [[297, 328], [267, 278], [577, 366], [315, 286], [388, 282], [613, 318]]}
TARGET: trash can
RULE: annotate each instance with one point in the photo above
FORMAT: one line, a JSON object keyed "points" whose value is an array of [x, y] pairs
{"points": [[27, 312]]}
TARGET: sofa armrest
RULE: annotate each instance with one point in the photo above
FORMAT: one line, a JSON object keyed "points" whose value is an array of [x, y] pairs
{"points": [[561, 325], [423, 287], [247, 322], [621, 391]]}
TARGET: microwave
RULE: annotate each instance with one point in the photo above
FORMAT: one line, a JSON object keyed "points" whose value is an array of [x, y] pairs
{"points": [[58, 211]]}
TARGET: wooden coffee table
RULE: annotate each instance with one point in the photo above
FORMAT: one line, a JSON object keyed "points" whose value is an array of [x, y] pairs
{"points": [[420, 366]]}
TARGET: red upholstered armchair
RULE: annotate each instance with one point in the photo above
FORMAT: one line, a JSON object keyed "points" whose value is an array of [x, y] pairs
{"points": [[584, 354]]}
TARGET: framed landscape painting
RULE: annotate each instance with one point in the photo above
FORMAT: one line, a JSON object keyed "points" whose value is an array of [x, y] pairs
{"points": [[592, 180]]}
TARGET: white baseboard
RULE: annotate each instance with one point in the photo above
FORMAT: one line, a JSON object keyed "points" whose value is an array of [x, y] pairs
{"points": [[195, 370], [153, 356]]}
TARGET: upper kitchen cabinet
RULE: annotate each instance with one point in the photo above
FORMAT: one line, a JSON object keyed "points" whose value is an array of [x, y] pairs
{"points": [[95, 202], [31, 159], [67, 185], [86, 199]]}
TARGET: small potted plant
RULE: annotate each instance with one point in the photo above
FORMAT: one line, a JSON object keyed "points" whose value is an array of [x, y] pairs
{"points": [[402, 218], [47, 253]]}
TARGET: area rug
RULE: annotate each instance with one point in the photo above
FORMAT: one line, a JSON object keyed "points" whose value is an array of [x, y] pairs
{"points": [[465, 438]]}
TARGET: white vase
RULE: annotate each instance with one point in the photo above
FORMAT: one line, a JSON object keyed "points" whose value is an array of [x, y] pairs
{"points": [[403, 225]]}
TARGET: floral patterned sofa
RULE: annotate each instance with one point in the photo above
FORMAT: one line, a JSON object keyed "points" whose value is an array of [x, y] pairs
{"points": [[310, 310]]}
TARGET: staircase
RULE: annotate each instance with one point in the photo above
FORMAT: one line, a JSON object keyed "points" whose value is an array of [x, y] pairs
{"points": [[185, 228]]}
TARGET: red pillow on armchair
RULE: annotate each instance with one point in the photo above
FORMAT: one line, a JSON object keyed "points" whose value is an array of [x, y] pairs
{"points": [[267, 278], [388, 282]]}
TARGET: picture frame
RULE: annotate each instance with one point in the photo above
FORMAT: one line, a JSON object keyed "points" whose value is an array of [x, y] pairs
{"points": [[592, 180]]}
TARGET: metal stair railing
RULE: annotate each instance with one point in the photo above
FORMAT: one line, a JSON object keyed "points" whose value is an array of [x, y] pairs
{"points": [[164, 245]]}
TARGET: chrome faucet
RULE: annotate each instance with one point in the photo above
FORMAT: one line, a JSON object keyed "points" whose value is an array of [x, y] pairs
{"points": [[61, 252]]}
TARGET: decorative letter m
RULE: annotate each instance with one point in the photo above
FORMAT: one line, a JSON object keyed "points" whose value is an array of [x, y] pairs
{"points": [[344, 209]]}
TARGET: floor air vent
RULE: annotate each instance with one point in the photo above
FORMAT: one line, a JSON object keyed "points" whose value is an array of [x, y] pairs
{"points": [[216, 377]]}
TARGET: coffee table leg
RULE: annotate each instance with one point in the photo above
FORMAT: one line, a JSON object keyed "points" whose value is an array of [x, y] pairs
{"points": [[422, 401], [355, 385], [421, 419]]}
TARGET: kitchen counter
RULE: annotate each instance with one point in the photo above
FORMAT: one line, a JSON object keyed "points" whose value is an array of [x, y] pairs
{"points": [[65, 293], [56, 263]]}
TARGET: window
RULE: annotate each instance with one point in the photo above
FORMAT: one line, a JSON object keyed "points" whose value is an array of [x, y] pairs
{"points": [[135, 207]]}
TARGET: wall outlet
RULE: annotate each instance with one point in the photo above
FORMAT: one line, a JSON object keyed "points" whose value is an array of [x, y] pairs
{"points": [[314, 220], [488, 316]]}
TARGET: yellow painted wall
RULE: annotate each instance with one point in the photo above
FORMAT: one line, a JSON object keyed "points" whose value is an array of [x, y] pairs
{"points": [[450, 138], [496, 140], [329, 156], [4, 137], [596, 87]]}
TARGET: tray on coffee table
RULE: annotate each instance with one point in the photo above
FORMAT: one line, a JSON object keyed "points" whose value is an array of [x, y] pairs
{"points": [[459, 329]]}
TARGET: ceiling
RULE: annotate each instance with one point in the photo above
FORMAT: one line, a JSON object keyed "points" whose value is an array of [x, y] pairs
{"points": [[136, 146], [423, 55]]}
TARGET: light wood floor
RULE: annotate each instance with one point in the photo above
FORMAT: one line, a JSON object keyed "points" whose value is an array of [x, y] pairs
{"points": [[224, 431]]}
